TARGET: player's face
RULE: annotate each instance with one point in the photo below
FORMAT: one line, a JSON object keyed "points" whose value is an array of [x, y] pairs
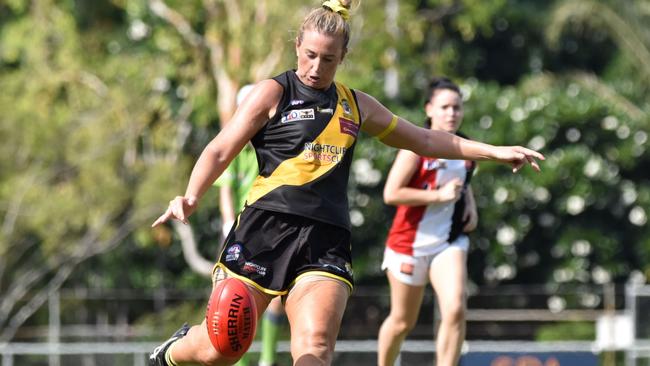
{"points": [[445, 108], [318, 57]]}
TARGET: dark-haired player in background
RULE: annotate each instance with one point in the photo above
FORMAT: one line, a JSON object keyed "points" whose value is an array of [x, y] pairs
{"points": [[427, 241]]}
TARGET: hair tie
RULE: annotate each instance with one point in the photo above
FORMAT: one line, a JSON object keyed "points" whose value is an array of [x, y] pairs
{"points": [[335, 6]]}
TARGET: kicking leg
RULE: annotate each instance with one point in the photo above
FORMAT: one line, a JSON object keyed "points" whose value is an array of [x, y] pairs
{"points": [[193, 346]]}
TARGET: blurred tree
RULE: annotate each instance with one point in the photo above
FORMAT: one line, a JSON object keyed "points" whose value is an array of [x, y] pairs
{"points": [[625, 22], [233, 42], [583, 219], [77, 168], [106, 105]]}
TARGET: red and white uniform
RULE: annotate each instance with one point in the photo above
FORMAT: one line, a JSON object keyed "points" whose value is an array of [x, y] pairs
{"points": [[425, 230]]}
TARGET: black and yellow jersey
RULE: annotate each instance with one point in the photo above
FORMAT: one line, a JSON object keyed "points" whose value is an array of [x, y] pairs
{"points": [[305, 152]]}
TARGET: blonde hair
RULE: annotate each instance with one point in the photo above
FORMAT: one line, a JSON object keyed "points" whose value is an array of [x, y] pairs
{"points": [[328, 19]]}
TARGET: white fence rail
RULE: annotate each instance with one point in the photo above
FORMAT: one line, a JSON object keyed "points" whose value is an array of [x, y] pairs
{"points": [[637, 350], [140, 350]]}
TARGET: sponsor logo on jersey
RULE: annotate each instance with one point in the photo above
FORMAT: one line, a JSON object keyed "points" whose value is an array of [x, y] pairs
{"points": [[435, 164], [348, 127], [298, 115], [297, 102], [233, 253], [325, 110], [323, 154], [346, 107], [251, 267]]}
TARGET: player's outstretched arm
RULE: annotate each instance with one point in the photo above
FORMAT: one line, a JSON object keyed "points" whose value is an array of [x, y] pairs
{"points": [[398, 132]]}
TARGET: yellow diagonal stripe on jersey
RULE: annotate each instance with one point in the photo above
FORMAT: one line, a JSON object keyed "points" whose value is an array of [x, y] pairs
{"points": [[298, 170]]}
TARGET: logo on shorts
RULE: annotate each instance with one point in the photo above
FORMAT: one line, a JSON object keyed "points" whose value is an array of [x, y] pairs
{"points": [[233, 253], [406, 268], [250, 267]]}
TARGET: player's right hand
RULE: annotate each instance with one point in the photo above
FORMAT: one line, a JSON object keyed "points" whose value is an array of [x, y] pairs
{"points": [[451, 191], [180, 208]]}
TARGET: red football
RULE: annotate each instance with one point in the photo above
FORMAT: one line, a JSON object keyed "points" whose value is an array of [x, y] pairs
{"points": [[231, 318]]}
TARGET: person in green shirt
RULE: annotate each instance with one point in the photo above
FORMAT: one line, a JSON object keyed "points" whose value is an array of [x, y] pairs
{"points": [[234, 184]]}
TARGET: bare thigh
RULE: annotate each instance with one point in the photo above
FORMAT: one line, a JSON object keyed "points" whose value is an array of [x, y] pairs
{"points": [[405, 301], [448, 274], [315, 307]]}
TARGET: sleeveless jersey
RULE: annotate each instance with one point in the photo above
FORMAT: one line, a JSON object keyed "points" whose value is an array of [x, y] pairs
{"points": [[419, 230], [305, 151]]}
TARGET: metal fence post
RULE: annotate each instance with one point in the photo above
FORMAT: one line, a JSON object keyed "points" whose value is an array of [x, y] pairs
{"points": [[8, 359], [138, 360], [630, 309], [54, 329]]}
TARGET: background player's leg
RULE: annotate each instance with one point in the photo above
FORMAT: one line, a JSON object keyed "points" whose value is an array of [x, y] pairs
{"points": [[270, 330], [405, 302], [448, 275]]}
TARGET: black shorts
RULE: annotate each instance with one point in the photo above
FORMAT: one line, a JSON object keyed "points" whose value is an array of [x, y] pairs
{"points": [[272, 250]]}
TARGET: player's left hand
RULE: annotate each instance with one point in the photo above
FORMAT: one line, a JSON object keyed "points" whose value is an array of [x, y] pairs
{"points": [[470, 217], [518, 156]]}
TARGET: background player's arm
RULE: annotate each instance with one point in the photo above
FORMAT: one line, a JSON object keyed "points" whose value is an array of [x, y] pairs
{"points": [[227, 208], [397, 191], [470, 215]]}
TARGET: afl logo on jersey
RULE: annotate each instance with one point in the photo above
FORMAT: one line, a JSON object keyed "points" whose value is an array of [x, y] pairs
{"points": [[346, 107], [297, 115], [233, 252], [297, 102]]}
